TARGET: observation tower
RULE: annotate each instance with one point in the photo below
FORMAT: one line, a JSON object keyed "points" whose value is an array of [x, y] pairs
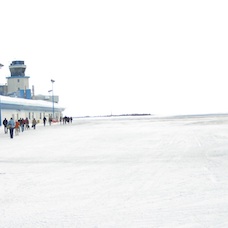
{"points": [[18, 83]]}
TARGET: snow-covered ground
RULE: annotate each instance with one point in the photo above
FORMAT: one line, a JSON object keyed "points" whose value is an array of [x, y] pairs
{"points": [[128, 172]]}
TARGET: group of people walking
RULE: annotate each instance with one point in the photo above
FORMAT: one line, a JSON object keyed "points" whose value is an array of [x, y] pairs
{"points": [[19, 125], [23, 124]]}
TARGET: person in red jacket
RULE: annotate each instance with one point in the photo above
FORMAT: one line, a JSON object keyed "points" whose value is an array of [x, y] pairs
{"points": [[17, 127]]}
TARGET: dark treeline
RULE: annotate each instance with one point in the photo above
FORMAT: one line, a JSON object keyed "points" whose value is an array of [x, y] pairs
{"points": [[134, 114]]}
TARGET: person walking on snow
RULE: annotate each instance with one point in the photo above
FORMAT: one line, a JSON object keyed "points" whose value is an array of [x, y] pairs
{"points": [[22, 124], [5, 123], [11, 125], [17, 127], [44, 120], [34, 123]]}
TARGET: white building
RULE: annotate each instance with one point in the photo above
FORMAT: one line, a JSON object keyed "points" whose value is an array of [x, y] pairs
{"points": [[17, 101], [24, 108]]}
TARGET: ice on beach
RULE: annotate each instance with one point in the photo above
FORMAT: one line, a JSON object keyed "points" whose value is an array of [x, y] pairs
{"points": [[119, 172]]}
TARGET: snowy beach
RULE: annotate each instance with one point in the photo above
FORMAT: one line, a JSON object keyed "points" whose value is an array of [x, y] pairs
{"points": [[117, 172]]}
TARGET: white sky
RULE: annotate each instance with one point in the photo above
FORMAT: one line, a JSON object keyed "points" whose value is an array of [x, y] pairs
{"points": [[160, 57]]}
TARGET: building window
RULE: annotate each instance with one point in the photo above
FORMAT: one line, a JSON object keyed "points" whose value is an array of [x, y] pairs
{"points": [[18, 80]]}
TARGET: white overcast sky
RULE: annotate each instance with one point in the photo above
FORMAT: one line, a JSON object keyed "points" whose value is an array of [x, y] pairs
{"points": [[122, 56]]}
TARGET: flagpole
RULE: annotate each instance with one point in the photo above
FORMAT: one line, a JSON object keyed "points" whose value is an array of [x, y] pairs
{"points": [[1, 65]]}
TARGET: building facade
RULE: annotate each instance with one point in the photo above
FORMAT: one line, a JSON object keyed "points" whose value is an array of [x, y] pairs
{"points": [[23, 108], [17, 101]]}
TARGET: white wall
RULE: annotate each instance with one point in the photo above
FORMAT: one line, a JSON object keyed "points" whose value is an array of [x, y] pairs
{"points": [[27, 114], [13, 84]]}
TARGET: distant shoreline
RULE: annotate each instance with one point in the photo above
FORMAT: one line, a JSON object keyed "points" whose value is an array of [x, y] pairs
{"points": [[134, 114], [159, 116]]}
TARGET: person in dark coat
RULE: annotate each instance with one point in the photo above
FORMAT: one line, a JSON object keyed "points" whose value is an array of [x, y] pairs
{"points": [[5, 123], [44, 120]]}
